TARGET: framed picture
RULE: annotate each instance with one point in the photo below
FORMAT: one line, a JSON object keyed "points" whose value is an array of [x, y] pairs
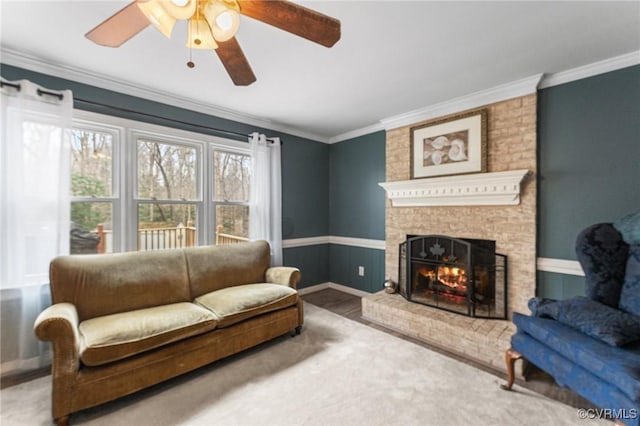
{"points": [[451, 146]]}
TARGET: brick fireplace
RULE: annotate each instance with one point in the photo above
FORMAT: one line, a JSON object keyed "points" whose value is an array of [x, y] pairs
{"points": [[511, 145]]}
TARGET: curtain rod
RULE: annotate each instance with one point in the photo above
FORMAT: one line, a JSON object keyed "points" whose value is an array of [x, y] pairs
{"points": [[40, 92], [145, 114]]}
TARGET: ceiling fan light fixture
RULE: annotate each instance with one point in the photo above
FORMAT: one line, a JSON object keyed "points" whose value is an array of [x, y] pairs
{"points": [[223, 20], [180, 9], [156, 13], [200, 36]]}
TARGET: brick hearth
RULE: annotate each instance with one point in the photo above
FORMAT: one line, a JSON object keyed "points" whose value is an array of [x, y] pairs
{"points": [[481, 340]]}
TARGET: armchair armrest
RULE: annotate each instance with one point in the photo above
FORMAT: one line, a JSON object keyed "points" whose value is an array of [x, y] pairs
{"points": [[58, 324], [283, 275]]}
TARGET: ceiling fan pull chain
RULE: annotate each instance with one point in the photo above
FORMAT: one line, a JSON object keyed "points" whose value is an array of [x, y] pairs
{"points": [[190, 64]]}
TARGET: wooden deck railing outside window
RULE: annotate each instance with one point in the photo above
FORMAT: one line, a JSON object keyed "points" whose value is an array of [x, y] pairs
{"points": [[165, 238]]}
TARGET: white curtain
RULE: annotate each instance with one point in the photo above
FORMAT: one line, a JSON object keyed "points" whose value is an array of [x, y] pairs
{"points": [[35, 125], [265, 201]]}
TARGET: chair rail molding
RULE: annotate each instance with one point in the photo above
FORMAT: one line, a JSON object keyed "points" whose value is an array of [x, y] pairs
{"points": [[478, 189]]}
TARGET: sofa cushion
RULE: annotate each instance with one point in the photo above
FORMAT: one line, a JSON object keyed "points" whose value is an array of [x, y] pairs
{"points": [[216, 267], [603, 256], [104, 284], [612, 326], [113, 337], [616, 365], [235, 304], [630, 294]]}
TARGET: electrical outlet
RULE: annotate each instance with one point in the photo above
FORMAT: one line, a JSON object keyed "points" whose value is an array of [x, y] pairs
{"points": [[361, 271]]}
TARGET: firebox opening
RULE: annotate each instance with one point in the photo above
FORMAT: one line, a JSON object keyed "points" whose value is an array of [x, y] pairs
{"points": [[458, 275]]}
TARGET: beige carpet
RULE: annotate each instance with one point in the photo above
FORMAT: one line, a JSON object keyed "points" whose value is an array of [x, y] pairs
{"points": [[337, 372]]}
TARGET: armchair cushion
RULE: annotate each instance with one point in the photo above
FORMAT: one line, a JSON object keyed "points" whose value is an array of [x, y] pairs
{"points": [[603, 256], [620, 366], [629, 227], [612, 326], [630, 293]]}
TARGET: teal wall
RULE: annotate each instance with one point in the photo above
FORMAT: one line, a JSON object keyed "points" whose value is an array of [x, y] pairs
{"points": [[356, 203], [589, 169], [588, 164], [357, 209], [305, 163]]}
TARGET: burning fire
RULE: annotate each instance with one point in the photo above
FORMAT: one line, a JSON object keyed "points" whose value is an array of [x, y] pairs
{"points": [[450, 276], [453, 277]]}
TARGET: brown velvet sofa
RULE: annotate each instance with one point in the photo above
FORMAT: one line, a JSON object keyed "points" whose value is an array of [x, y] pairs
{"points": [[122, 322]]}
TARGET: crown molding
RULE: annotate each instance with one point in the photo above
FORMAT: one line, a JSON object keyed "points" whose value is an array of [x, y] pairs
{"points": [[522, 87], [476, 189], [357, 132], [589, 70], [103, 81]]}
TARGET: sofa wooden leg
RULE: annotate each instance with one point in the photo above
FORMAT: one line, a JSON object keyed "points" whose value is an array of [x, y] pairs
{"points": [[62, 421], [510, 356], [296, 331]]}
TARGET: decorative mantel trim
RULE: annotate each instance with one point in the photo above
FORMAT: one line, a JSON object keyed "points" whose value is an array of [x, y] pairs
{"points": [[478, 189]]}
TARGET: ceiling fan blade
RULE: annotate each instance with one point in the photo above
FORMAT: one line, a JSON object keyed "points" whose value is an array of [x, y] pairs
{"points": [[235, 62], [120, 27], [296, 19]]}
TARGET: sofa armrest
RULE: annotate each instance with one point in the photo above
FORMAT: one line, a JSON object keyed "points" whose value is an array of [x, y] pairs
{"points": [[284, 275], [58, 324]]}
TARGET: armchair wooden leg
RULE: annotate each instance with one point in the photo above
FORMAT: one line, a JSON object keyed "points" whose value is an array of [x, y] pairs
{"points": [[510, 357], [62, 421]]}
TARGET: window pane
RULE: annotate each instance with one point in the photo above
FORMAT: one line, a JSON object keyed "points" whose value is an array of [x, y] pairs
{"points": [[166, 171], [91, 228], [232, 224], [164, 226], [232, 175], [91, 163]]}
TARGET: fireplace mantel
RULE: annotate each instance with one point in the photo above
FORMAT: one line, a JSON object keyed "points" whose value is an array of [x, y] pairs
{"points": [[478, 189]]}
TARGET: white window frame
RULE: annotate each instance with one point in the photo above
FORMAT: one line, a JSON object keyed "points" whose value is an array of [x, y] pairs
{"points": [[125, 212], [218, 148], [117, 169]]}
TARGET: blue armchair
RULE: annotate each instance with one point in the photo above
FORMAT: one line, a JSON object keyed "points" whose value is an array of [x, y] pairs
{"points": [[592, 344]]}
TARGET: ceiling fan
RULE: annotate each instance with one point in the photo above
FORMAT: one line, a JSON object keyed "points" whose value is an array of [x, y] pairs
{"points": [[212, 24]]}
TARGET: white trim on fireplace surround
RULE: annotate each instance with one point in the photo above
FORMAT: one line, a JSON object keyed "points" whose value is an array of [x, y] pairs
{"points": [[478, 189]]}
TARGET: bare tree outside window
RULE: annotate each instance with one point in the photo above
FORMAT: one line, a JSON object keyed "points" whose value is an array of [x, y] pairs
{"points": [[232, 177], [166, 172], [91, 191]]}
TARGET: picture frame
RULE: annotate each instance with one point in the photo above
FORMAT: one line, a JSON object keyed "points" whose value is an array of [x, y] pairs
{"points": [[451, 146]]}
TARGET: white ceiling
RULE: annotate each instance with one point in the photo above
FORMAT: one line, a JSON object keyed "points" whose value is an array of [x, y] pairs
{"points": [[393, 56]]}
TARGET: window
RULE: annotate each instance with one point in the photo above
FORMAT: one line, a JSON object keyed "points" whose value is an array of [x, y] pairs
{"points": [[94, 191], [232, 176], [168, 194], [137, 186]]}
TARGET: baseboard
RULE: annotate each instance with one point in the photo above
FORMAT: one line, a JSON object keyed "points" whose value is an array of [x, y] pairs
{"points": [[335, 286], [313, 289]]}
